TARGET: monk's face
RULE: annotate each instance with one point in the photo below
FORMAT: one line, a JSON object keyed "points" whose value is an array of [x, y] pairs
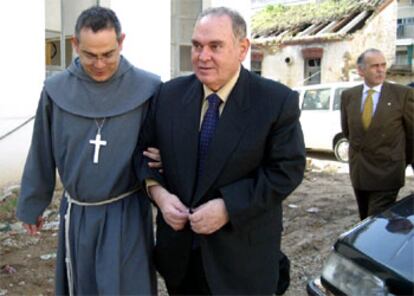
{"points": [[99, 52]]}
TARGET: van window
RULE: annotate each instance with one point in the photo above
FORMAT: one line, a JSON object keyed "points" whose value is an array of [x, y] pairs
{"points": [[337, 98], [316, 99]]}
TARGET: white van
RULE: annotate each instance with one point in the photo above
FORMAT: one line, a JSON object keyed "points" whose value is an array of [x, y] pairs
{"points": [[321, 119]]}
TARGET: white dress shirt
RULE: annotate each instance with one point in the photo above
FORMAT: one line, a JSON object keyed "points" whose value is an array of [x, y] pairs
{"points": [[375, 97]]}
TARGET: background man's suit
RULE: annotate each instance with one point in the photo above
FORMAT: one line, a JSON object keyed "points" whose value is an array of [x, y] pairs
{"points": [[379, 155], [255, 160]]}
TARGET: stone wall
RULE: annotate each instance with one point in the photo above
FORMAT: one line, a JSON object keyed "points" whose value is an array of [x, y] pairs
{"points": [[339, 57]]}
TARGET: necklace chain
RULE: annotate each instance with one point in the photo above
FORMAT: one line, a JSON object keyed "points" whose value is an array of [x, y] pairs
{"points": [[100, 124]]}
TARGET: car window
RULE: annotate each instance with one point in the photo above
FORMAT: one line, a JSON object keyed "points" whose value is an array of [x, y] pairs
{"points": [[316, 99], [337, 98]]}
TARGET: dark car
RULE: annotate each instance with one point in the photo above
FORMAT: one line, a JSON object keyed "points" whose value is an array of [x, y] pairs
{"points": [[376, 257]]}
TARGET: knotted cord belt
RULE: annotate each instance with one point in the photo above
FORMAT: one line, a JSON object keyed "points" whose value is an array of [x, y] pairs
{"points": [[70, 200]]}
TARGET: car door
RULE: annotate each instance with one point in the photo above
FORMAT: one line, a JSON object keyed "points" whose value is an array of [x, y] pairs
{"points": [[316, 118]]}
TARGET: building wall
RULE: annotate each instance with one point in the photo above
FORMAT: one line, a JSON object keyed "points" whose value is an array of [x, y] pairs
{"points": [[275, 67], [23, 71], [379, 33], [403, 67], [401, 79], [339, 57], [148, 34], [71, 10], [405, 9], [183, 17]]}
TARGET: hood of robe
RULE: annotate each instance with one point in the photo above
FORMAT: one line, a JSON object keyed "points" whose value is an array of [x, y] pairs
{"points": [[76, 92]]}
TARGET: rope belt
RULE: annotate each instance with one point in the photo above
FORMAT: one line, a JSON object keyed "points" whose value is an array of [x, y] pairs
{"points": [[70, 200]]}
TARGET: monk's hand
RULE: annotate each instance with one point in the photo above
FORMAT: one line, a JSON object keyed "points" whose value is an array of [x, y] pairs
{"points": [[209, 217], [175, 213], [33, 229], [154, 154]]}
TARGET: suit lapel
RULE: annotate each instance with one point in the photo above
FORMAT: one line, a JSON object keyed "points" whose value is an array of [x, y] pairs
{"points": [[356, 101], [384, 103], [231, 125], [185, 138]]}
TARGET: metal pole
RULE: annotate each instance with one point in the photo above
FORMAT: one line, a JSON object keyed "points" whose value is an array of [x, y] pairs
{"points": [[62, 37]]}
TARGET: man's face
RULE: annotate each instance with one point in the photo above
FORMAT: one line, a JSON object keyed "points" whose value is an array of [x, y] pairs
{"points": [[99, 52], [215, 54], [374, 70]]}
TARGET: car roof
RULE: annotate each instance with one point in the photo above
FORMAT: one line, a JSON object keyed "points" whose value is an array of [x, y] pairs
{"points": [[329, 85]]}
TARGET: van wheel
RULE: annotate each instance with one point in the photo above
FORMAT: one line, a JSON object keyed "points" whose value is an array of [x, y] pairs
{"points": [[341, 150]]}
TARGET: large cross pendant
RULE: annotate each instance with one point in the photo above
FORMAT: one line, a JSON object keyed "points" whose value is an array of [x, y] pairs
{"points": [[98, 143]]}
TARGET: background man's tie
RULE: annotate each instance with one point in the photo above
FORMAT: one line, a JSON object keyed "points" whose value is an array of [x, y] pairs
{"points": [[368, 109], [208, 127]]}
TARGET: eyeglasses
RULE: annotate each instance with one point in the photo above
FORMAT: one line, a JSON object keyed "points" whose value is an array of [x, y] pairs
{"points": [[106, 58]]}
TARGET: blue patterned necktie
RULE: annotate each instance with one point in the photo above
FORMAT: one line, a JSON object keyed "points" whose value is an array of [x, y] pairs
{"points": [[208, 127]]}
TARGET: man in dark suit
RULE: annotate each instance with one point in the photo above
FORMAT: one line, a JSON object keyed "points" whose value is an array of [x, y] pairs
{"points": [[377, 118], [232, 150]]}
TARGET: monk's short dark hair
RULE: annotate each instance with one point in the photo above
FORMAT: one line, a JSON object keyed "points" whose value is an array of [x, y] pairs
{"points": [[98, 18]]}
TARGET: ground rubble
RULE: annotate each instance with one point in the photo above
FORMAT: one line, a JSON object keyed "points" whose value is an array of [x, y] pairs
{"points": [[321, 208]]}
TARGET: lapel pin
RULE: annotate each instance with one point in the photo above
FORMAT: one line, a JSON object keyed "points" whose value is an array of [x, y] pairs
{"points": [[389, 104]]}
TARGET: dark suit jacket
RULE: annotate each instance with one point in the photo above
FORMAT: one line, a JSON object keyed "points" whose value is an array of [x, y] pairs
{"points": [[256, 159], [378, 156]]}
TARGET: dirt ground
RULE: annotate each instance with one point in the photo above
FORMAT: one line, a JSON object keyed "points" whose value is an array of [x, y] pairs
{"points": [[321, 208]]}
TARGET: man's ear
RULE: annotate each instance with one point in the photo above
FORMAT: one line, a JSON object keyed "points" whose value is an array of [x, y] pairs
{"points": [[360, 71], [121, 40], [75, 43], [244, 48]]}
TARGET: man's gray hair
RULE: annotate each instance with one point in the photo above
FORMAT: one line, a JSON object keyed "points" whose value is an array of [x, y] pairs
{"points": [[237, 21], [361, 58]]}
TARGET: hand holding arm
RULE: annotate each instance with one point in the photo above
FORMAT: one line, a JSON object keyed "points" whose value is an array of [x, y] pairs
{"points": [[153, 154], [209, 217], [175, 213]]}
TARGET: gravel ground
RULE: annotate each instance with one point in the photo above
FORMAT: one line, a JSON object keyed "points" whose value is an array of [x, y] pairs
{"points": [[321, 208]]}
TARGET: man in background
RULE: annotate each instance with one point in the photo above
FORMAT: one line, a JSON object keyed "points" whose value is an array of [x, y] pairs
{"points": [[378, 120]]}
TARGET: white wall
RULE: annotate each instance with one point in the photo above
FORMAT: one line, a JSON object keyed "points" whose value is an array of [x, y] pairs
{"points": [[22, 74], [52, 10], [147, 25], [23, 57]]}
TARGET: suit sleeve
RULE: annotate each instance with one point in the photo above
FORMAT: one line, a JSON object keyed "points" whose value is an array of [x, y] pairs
{"points": [[344, 118], [147, 138], [281, 171], [39, 175], [408, 119]]}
